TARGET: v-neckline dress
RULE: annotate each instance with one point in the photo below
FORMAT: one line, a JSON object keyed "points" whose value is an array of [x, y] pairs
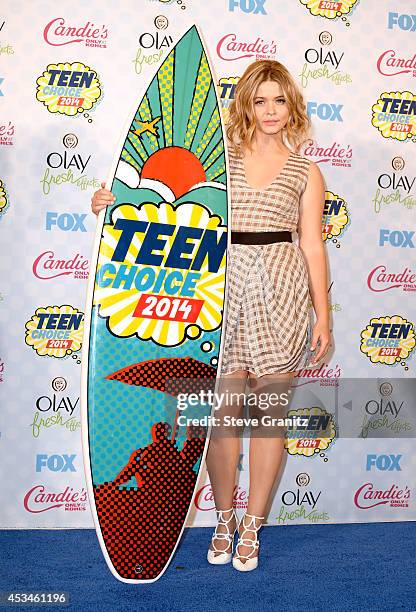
{"points": [[268, 322]]}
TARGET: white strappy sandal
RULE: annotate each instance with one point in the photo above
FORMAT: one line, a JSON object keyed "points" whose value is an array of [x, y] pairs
{"points": [[250, 562], [222, 556]]}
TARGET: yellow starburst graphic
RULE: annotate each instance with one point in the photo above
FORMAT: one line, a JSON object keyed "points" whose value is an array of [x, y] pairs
{"points": [[165, 304], [392, 116], [335, 217], [55, 331], [388, 340], [330, 10], [68, 89], [324, 432], [4, 200]]}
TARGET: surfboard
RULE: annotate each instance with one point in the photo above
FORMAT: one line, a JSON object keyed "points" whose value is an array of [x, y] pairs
{"points": [[154, 316]]}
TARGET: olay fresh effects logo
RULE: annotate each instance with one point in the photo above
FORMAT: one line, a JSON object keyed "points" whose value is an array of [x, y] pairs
{"points": [[384, 414], [56, 410], [330, 10], [47, 265], [383, 279], [6, 133], [66, 166], [323, 63], [394, 115], [335, 154], [5, 48], [55, 331], [232, 47], [388, 340], [204, 498], [40, 499], [313, 433], [367, 496], [4, 199], [153, 45], [59, 32], [395, 188], [391, 63], [300, 503], [69, 88], [335, 218], [255, 7]]}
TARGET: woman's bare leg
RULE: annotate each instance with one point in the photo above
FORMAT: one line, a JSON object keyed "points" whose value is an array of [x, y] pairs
{"points": [[265, 452], [224, 451]]}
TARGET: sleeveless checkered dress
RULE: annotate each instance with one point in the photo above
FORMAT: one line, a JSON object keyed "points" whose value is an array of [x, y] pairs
{"points": [[268, 326]]}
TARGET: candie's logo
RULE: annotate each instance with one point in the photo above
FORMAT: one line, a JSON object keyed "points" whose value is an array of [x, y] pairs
{"points": [[39, 499], [6, 133], [204, 498], [394, 115], [367, 497], [59, 33], [47, 265], [390, 64], [388, 340], [230, 47], [68, 89], [330, 10], [336, 154], [152, 281], [335, 217], [55, 331], [380, 279], [314, 436]]}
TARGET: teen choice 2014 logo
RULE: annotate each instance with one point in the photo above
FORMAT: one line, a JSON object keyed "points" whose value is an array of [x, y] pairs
{"points": [[55, 331], [4, 199], [394, 115], [226, 92], [69, 89], [388, 340], [161, 272], [330, 10], [314, 433], [336, 217]]}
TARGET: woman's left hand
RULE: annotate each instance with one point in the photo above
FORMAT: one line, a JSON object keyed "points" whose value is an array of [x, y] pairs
{"points": [[322, 333]]}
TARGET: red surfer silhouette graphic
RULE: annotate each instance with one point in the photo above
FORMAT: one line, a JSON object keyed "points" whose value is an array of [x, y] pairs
{"points": [[141, 524]]}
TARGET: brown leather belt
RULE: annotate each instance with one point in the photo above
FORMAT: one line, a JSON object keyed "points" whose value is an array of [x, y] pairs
{"points": [[260, 237]]}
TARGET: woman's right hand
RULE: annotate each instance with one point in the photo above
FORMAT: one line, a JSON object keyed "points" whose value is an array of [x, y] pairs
{"points": [[101, 199]]}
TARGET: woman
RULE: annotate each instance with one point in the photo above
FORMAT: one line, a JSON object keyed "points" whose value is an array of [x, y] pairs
{"points": [[268, 333]]}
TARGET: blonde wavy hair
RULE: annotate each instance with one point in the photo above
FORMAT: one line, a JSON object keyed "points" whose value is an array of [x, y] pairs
{"points": [[242, 122]]}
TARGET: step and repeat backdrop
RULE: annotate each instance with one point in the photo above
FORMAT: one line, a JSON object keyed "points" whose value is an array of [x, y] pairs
{"points": [[68, 79]]}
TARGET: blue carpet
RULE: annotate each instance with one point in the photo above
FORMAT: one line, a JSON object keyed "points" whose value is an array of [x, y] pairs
{"points": [[331, 568]]}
